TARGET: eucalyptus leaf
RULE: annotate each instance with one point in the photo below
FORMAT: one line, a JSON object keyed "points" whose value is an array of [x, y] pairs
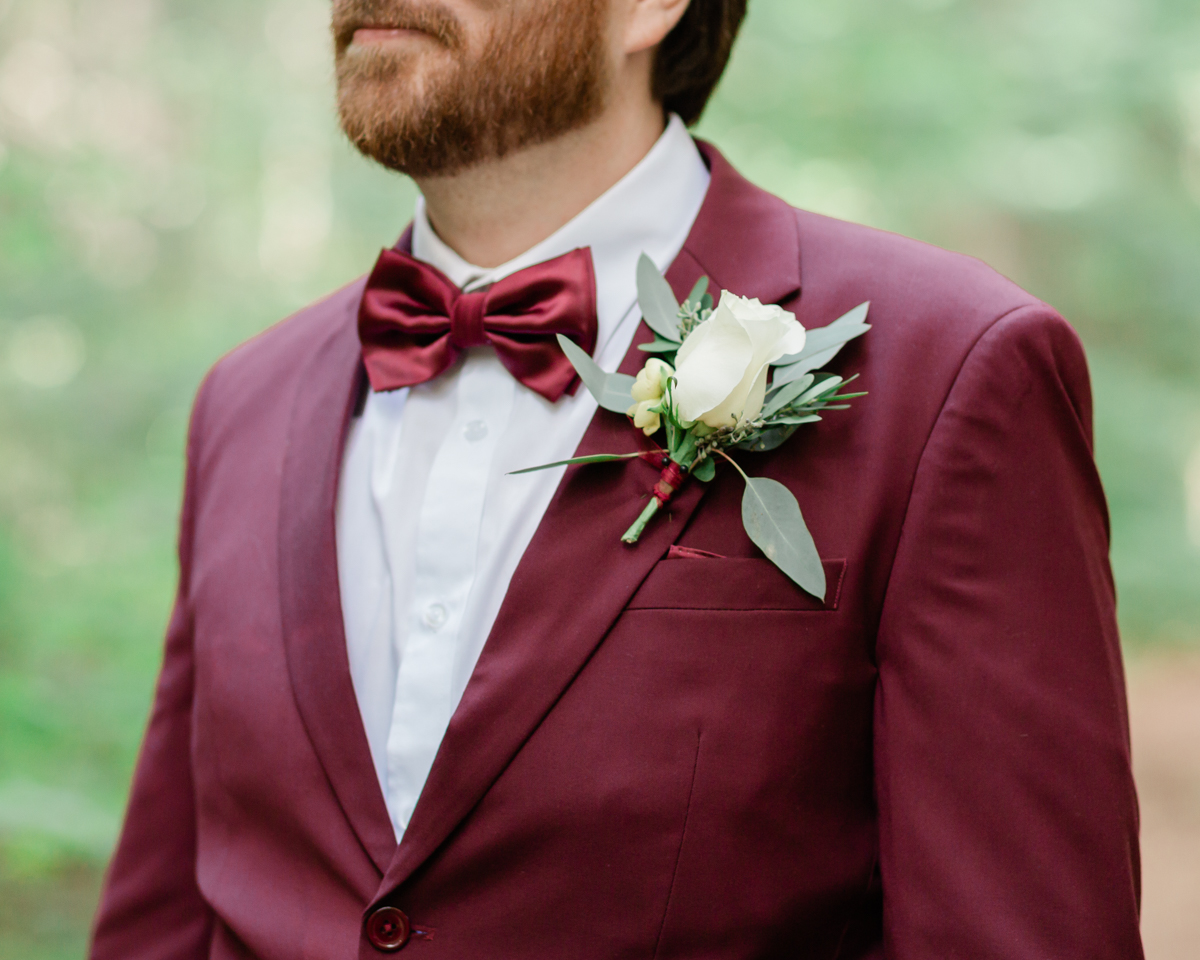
{"points": [[706, 470], [797, 421], [792, 372], [773, 521], [657, 300], [769, 439], [778, 399], [595, 458], [823, 344], [824, 383], [659, 346], [821, 339], [696, 297], [613, 391]]}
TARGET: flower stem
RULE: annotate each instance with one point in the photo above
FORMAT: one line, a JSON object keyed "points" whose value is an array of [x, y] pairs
{"points": [[634, 533], [722, 453]]}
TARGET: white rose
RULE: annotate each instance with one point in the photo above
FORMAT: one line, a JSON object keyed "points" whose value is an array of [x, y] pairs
{"points": [[721, 369]]}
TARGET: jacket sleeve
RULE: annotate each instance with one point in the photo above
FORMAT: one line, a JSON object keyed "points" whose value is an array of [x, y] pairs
{"points": [[1008, 818], [151, 907]]}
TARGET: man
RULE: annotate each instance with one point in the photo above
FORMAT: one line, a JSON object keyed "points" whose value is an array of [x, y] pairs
{"points": [[412, 702]]}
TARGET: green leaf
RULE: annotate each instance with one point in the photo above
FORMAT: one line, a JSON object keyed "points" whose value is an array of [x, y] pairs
{"points": [[705, 470], [682, 447], [657, 300], [613, 391], [780, 398], [796, 421], [658, 345], [773, 521], [595, 458], [823, 339], [847, 396], [699, 292], [824, 383], [823, 344], [825, 393], [768, 439]]}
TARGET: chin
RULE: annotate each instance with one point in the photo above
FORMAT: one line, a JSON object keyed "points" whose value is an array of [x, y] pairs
{"points": [[392, 67]]}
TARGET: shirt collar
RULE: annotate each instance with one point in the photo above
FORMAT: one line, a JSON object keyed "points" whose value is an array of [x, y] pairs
{"points": [[651, 210]]}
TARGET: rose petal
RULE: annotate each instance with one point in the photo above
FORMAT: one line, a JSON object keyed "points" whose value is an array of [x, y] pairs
{"points": [[644, 418], [753, 404], [711, 364]]}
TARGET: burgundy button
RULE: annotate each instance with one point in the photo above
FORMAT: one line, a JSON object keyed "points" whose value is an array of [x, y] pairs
{"points": [[388, 929]]}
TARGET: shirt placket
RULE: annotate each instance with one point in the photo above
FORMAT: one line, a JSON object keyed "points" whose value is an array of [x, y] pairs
{"points": [[446, 560]]}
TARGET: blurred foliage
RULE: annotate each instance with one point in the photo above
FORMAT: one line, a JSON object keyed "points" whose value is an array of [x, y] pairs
{"points": [[171, 181]]}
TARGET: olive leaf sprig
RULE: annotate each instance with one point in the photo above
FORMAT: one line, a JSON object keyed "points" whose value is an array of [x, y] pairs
{"points": [[798, 394]]}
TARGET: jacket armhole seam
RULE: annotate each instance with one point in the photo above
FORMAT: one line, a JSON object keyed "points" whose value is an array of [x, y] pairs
{"points": [[967, 354]]}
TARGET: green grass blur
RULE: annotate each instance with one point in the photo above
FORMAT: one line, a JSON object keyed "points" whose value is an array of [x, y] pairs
{"points": [[171, 182]]}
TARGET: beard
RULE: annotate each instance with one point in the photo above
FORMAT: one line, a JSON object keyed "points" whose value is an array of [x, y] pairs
{"points": [[540, 72]]}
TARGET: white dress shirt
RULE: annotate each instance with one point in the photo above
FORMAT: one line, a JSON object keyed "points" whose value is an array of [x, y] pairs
{"points": [[430, 525]]}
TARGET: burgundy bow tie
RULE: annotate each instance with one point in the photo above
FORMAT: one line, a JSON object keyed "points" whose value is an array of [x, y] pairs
{"points": [[414, 322]]}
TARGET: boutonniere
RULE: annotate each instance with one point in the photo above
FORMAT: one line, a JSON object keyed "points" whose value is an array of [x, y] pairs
{"points": [[737, 375]]}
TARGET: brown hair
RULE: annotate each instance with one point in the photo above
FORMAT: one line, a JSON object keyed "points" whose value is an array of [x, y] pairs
{"points": [[694, 54]]}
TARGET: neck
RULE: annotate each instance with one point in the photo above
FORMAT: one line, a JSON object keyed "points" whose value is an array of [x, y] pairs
{"points": [[495, 211]]}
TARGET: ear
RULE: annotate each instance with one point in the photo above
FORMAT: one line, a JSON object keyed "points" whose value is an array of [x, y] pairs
{"points": [[649, 22]]}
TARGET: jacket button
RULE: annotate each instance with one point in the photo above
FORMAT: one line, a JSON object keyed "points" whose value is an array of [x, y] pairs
{"points": [[388, 929]]}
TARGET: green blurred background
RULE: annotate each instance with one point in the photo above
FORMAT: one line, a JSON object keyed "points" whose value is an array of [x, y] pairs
{"points": [[172, 181]]}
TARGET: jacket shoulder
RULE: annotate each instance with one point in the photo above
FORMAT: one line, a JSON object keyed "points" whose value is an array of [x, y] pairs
{"points": [[278, 350], [250, 391], [932, 312], [271, 363], [925, 285], [929, 307]]}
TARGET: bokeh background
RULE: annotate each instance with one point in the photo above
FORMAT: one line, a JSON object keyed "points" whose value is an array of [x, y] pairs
{"points": [[172, 181]]}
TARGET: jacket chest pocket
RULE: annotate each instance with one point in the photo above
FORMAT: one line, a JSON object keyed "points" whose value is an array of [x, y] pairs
{"points": [[714, 631], [735, 584]]}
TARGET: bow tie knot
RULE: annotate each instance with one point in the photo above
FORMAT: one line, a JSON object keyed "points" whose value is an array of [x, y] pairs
{"points": [[466, 320], [414, 323]]}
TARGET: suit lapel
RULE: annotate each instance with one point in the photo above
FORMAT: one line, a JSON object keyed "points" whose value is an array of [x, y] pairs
{"points": [[314, 635], [576, 576]]}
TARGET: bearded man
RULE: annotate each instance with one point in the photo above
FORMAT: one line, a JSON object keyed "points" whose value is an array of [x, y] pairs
{"points": [[411, 701]]}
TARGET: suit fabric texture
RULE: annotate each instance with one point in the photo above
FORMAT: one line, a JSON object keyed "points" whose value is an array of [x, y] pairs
{"points": [[669, 750]]}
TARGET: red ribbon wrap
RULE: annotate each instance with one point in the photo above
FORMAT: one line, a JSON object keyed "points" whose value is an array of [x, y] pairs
{"points": [[670, 481]]}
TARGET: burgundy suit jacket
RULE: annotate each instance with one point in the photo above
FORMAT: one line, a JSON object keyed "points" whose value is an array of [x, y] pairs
{"points": [[664, 756]]}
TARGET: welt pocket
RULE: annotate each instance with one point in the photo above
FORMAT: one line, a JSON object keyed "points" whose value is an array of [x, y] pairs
{"points": [[731, 583]]}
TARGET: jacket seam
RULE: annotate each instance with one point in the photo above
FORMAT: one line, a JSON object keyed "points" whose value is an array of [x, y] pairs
{"points": [[850, 919], [687, 812]]}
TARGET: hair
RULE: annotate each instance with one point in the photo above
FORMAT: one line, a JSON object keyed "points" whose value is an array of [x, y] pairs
{"points": [[694, 55]]}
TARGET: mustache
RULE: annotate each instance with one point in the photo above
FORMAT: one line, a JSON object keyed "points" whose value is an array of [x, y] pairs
{"points": [[429, 18]]}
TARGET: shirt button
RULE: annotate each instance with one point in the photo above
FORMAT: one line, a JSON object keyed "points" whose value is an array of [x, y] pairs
{"points": [[475, 431], [388, 929], [435, 616]]}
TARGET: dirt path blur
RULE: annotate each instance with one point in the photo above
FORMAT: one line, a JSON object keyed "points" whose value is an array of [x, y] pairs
{"points": [[1164, 704]]}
